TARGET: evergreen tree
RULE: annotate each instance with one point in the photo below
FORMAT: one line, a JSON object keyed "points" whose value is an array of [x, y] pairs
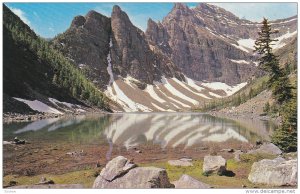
{"points": [[267, 61], [281, 88], [286, 136]]}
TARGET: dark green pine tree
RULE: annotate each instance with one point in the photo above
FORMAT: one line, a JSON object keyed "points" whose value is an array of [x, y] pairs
{"points": [[263, 46], [278, 81], [286, 136]]}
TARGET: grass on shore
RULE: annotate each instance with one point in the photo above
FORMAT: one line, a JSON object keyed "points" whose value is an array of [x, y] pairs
{"points": [[86, 177]]}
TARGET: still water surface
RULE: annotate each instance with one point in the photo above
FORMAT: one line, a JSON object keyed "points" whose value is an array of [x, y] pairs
{"points": [[133, 129]]}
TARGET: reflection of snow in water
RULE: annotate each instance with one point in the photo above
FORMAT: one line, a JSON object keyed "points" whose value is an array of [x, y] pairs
{"points": [[166, 130], [221, 137], [37, 125], [64, 123], [170, 130], [51, 124], [108, 154]]}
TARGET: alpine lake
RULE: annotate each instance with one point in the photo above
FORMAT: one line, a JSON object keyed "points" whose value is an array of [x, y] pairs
{"points": [[80, 144]]}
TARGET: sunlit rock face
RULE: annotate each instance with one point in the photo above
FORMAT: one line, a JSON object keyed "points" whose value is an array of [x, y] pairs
{"points": [[209, 43]]}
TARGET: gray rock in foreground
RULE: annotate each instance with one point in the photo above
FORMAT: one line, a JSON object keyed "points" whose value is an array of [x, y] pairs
{"points": [[214, 164], [116, 167], [237, 155], [132, 177], [268, 148], [188, 182], [50, 186], [277, 172]]}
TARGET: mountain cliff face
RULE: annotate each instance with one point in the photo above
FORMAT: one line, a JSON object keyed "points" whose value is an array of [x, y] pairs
{"points": [[86, 44], [210, 43], [192, 56], [131, 54], [106, 48]]}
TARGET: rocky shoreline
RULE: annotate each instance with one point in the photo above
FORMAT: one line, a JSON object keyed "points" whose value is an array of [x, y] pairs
{"points": [[17, 117], [253, 116], [270, 168]]}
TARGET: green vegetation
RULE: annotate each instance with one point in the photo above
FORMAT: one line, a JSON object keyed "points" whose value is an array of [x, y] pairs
{"points": [[240, 171], [279, 83], [84, 177], [49, 68]]}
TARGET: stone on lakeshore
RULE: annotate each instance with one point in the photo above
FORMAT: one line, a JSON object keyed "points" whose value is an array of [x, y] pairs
{"points": [[188, 182], [276, 172], [214, 164], [118, 174], [267, 148], [237, 155], [116, 167]]}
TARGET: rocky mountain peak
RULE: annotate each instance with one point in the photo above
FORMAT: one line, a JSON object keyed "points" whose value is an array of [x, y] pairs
{"points": [[180, 9], [78, 21], [215, 11], [116, 9], [180, 6], [93, 14], [118, 13]]}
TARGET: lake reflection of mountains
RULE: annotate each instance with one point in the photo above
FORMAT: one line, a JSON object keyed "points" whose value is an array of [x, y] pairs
{"points": [[172, 130], [166, 130]]}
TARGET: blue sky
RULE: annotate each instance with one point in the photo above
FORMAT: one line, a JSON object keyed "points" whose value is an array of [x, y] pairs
{"points": [[49, 19]]}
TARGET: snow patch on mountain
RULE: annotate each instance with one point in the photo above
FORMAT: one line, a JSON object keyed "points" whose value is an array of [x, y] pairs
{"points": [[187, 88], [175, 92], [280, 43], [247, 43], [54, 101], [39, 106], [150, 90], [133, 106], [170, 94], [240, 61], [223, 86], [193, 84], [240, 47]]}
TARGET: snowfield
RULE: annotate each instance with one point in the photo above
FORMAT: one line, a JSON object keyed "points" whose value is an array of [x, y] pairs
{"points": [[247, 43], [170, 94], [39, 106], [222, 86], [280, 43]]}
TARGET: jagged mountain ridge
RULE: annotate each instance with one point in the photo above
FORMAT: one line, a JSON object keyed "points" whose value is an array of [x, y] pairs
{"points": [[87, 43], [150, 71], [210, 43]]}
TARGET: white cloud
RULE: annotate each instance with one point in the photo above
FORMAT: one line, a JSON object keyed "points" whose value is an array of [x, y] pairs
{"points": [[21, 15]]}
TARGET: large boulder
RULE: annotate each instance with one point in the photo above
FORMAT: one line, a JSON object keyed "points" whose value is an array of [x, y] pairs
{"points": [[214, 164], [116, 167], [132, 177], [188, 182], [267, 148], [277, 172]]}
